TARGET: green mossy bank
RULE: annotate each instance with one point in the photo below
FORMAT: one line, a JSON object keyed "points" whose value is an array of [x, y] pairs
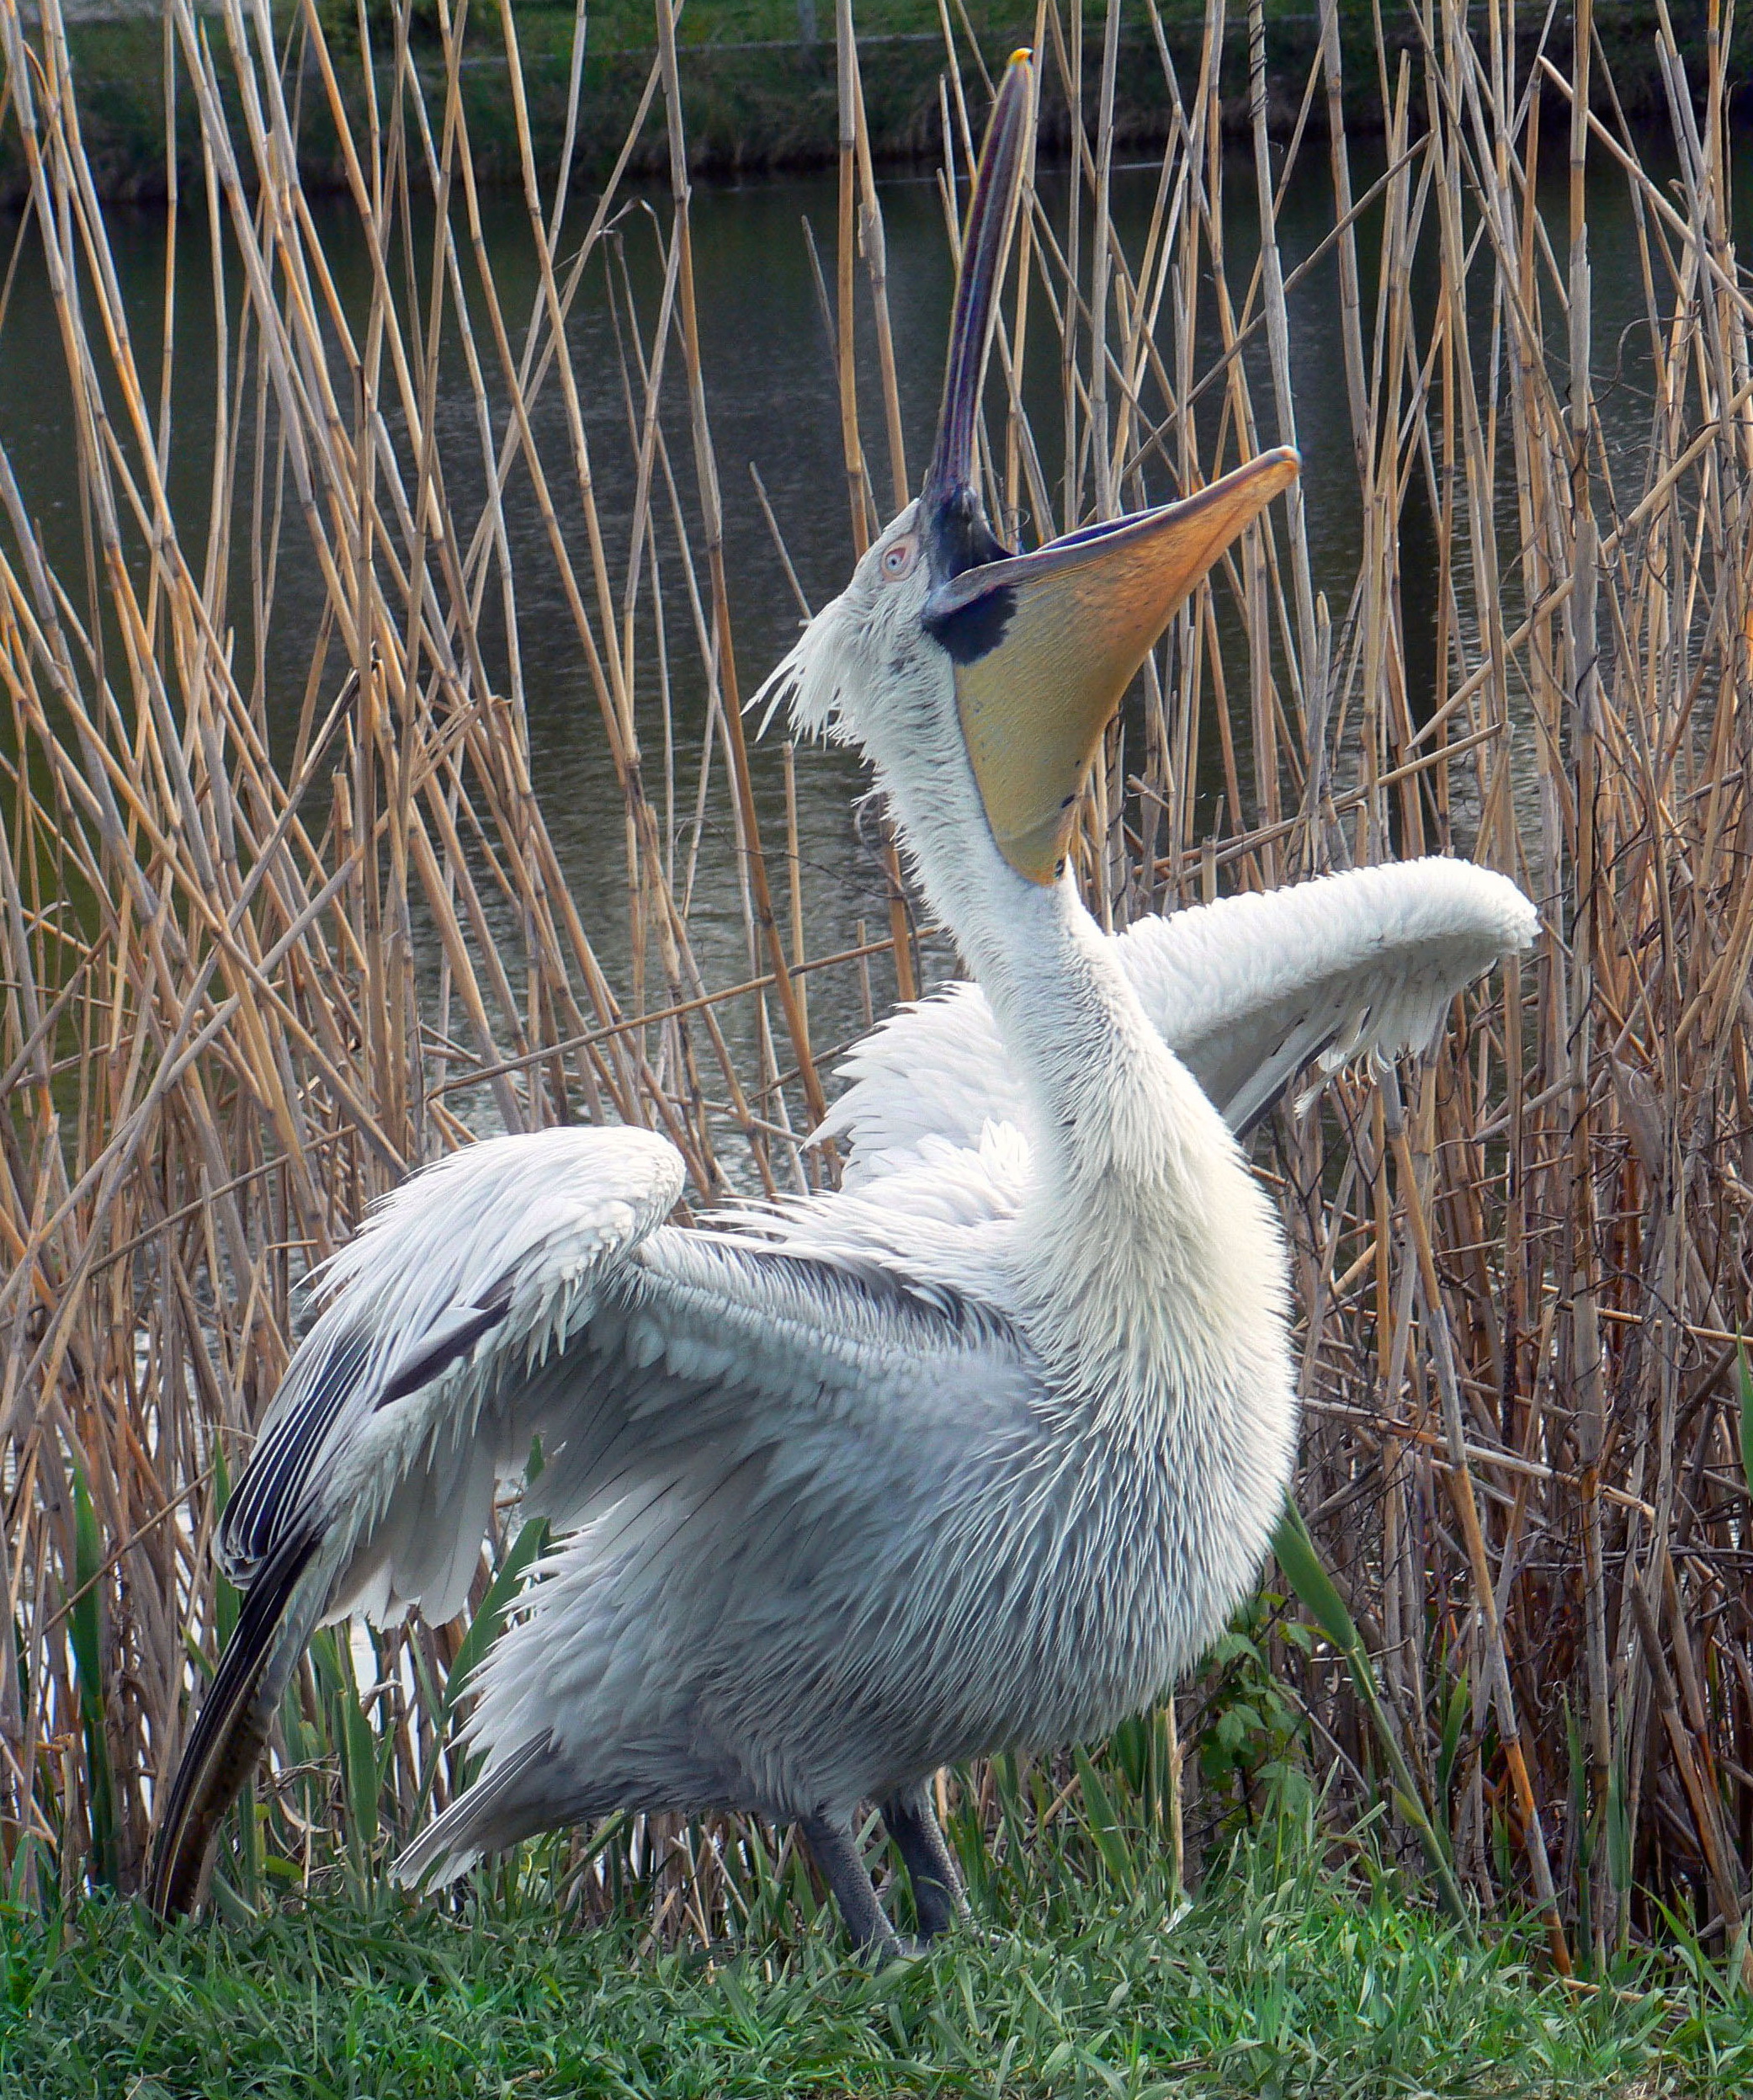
{"points": [[756, 96]]}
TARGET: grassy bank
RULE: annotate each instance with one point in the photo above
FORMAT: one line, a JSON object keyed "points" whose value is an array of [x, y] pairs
{"points": [[1284, 1980], [756, 95]]}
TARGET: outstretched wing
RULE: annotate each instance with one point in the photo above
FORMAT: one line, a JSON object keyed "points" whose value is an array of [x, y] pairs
{"points": [[406, 1400], [372, 1481], [1248, 992], [527, 1288]]}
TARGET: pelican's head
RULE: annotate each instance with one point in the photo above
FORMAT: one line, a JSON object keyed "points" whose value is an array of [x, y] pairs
{"points": [[971, 673]]}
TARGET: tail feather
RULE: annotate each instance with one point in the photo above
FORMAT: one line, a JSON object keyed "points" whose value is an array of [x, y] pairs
{"points": [[279, 1614], [523, 1794]]}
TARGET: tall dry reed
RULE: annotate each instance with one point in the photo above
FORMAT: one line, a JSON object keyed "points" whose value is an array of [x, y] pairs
{"points": [[247, 990]]}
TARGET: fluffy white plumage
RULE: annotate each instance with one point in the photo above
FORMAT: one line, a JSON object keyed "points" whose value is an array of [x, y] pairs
{"points": [[396, 1411]]}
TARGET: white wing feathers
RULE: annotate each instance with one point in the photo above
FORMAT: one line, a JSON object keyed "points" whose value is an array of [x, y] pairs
{"points": [[1250, 990], [1246, 991], [934, 1071], [402, 1408], [420, 1383]]}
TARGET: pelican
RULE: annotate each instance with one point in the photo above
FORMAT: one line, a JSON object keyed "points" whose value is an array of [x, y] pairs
{"points": [[975, 1455]]}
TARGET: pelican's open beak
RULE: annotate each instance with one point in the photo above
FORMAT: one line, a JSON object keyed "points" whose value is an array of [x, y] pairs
{"points": [[1046, 644]]}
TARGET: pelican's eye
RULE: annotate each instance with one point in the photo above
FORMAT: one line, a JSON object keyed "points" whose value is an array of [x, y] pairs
{"points": [[900, 559]]}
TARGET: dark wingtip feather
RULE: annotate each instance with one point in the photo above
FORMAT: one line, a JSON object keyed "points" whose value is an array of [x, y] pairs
{"points": [[231, 1731]]}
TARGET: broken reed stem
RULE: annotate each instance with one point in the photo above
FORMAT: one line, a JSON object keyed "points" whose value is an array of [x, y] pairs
{"points": [[245, 990]]}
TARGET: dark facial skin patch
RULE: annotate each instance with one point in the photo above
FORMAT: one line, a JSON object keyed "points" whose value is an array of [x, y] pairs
{"points": [[957, 536], [969, 632], [958, 539]]}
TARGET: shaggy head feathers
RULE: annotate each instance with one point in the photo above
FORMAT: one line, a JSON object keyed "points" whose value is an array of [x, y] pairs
{"points": [[856, 645]]}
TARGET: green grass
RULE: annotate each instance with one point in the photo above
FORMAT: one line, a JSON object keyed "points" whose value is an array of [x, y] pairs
{"points": [[1285, 1979]]}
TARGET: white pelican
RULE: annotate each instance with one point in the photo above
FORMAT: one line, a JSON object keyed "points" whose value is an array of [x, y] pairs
{"points": [[977, 1455]]}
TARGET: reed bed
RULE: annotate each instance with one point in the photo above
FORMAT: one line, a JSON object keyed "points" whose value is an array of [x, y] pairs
{"points": [[249, 985]]}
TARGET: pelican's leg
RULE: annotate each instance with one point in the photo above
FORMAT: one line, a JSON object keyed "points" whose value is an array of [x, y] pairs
{"points": [[835, 1850], [938, 1897]]}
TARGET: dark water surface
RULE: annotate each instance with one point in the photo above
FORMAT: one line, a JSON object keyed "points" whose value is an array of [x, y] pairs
{"points": [[772, 405]]}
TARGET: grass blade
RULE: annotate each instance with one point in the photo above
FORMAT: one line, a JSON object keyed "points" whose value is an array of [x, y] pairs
{"points": [[85, 1632], [1299, 1557]]}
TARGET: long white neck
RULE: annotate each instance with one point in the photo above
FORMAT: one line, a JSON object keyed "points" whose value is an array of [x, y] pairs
{"points": [[1146, 1246]]}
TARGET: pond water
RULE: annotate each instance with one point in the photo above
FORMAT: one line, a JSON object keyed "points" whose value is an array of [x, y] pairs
{"points": [[774, 408]]}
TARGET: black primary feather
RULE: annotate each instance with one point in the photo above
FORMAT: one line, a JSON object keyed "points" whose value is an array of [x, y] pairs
{"points": [[231, 1731]]}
